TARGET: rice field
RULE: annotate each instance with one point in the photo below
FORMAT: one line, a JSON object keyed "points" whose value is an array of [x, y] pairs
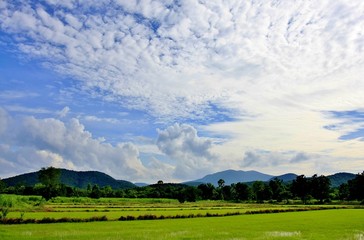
{"points": [[327, 224], [347, 223]]}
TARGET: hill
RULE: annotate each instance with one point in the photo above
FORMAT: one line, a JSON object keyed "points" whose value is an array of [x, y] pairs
{"points": [[232, 176], [286, 177], [339, 178], [72, 178]]}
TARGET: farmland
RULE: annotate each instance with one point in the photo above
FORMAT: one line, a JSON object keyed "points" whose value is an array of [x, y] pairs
{"points": [[180, 221]]}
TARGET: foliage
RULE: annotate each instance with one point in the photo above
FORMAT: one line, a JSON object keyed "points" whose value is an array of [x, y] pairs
{"points": [[242, 191], [317, 187], [301, 188], [73, 179], [320, 187], [2, 186], [356, 187], [49, 176], [278, 189], [5, 205]]}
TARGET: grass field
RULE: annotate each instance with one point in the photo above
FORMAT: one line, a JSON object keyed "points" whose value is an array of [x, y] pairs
{"points": [[325, 224], [113, 208]]}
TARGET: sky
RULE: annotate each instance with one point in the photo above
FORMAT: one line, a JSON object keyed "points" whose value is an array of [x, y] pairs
{"points": [[174, 90]]}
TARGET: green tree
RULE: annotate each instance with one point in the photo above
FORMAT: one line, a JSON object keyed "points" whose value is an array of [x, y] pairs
{"points": [[241, 191], [320, 187], [261, 191], [95, 192], [107, 191], [2, 186], [300, 188], [207, 191], [278, 189], [226, 192], [5, 205], [344, 192], [221, 183], [356, 187], [50, 178], [188, 194]]}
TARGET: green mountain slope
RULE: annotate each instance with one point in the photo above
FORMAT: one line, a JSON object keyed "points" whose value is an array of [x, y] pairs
{"points": [[73, 179], [339, 178]]}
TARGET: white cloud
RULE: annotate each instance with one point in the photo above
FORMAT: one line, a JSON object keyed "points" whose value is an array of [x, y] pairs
{"points": [[63, 113], [278, 66], [191, 153], [3, 121], [171, 60], [22, 109], [30, 143], [98, 119], [17, 94]]}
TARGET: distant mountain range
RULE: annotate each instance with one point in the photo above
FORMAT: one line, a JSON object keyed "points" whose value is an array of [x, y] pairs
{"points": [[81, 179], [234, 176], [73, 178], [231, 176]]}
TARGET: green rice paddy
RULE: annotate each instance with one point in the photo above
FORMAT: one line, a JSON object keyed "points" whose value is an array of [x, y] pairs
{"points": [[330, 224]]}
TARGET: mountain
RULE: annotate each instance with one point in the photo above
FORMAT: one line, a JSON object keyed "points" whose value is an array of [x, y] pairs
{"points": [[73, 179], [232, 176], [286, 177], [339, 178], [141, 184]]}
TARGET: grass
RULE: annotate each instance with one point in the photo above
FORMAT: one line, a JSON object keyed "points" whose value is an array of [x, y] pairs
{"points": [[328, 224], [114, 208]]}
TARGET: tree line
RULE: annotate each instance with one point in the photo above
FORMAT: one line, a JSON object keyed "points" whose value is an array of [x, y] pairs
{"points": [[308, 189]]}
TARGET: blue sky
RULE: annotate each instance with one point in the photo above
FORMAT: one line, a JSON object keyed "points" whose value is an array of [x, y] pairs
{"points": [[175, 90]]}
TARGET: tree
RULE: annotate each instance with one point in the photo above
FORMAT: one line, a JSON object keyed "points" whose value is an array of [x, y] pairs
{"points": [[261, 191], [344, 192], [300, 188], [226, 192], [356, 187], [188, 194], [207, 190], [278, 189], [49, 177], [320, 187], [95, 192], [160, 182], [5, 205], [242, 191], [2, 186], [221, 183], [107, 191]]}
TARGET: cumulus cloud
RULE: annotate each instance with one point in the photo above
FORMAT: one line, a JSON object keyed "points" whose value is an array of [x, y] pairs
{"points": [[30, 143], [192, 153]]}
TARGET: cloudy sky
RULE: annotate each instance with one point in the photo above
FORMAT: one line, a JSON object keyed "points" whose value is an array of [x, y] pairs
{"points": [[174, 90]]}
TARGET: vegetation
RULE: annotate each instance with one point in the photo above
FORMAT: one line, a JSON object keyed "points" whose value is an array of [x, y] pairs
{"points": [[328, 224], [74, 179], [309, 190]]}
